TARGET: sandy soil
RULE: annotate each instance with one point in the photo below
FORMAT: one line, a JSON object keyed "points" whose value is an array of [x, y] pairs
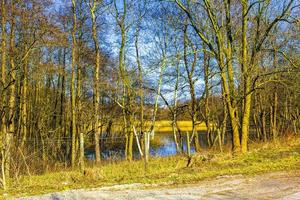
{"points": [[280, 185]]}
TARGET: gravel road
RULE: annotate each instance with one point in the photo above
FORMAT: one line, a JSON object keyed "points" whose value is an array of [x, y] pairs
{"points": [[280, 185]]}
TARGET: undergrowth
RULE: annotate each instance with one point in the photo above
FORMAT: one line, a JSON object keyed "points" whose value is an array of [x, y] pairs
{"points": [[170, 170]]}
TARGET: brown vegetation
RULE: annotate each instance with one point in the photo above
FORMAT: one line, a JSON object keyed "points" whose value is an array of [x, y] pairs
{"points": [[72, 70]]}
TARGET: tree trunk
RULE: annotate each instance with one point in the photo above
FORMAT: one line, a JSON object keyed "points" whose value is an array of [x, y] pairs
{"points": [[224, 122], [245, 72], [3, 126], [174, 115], [24, 103], [190, 74], [62, 118], [141, 91], [274, 116], [126, 97], [236, 145], [81, 154], [12, 100], [79, 122], [263, 125], [96, 94], [73, 84]]}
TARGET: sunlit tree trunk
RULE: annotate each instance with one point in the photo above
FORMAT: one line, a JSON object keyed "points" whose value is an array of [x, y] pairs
{"points": [[73, 84], [139, 65], [3, 131], [255, 118], [190, 74], [79, 122], [229, 89], [127, 97], [125, 88], [3, 67], [80, 83], [262, 118], [226, 68], [12, 100], [62, 120], [246, 77], [96, 95], [206, 100], [232, 110], [274, 116], [174, 119], [24, 102], [225, 116], [275, 104]]}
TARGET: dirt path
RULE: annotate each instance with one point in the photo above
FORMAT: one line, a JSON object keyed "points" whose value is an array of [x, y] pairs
{"points": [[280, 185]]}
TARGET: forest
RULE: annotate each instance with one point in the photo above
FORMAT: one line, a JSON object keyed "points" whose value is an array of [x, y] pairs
{"points": [[76, 73]]}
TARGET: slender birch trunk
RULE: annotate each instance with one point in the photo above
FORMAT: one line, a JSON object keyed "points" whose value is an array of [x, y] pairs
{"points": [[73, 84], [24, 102], [141, 89], [12, 100], [206, 100], [190, 74], [3, 130], [127, 93], [225, 116], [96, 95], [174, 121]]}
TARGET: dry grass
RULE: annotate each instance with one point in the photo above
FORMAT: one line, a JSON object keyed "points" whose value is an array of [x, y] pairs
{"points": [[164, 126], [172, 170]]}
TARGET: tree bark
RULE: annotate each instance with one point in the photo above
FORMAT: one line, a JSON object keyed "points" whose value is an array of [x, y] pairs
{"points": [[190, 74], [73, 84], [24, 102], [3, 126], [246, 78], [12, 100], [96, 95]]}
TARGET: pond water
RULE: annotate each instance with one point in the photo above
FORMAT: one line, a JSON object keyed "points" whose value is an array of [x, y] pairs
{"points": [[162, 145]]}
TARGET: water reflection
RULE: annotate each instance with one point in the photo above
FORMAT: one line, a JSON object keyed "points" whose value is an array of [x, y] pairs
{"points": [[162, 145]]}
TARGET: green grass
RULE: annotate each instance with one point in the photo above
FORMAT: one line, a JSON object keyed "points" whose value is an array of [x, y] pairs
{"points": [[172, 170]]}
